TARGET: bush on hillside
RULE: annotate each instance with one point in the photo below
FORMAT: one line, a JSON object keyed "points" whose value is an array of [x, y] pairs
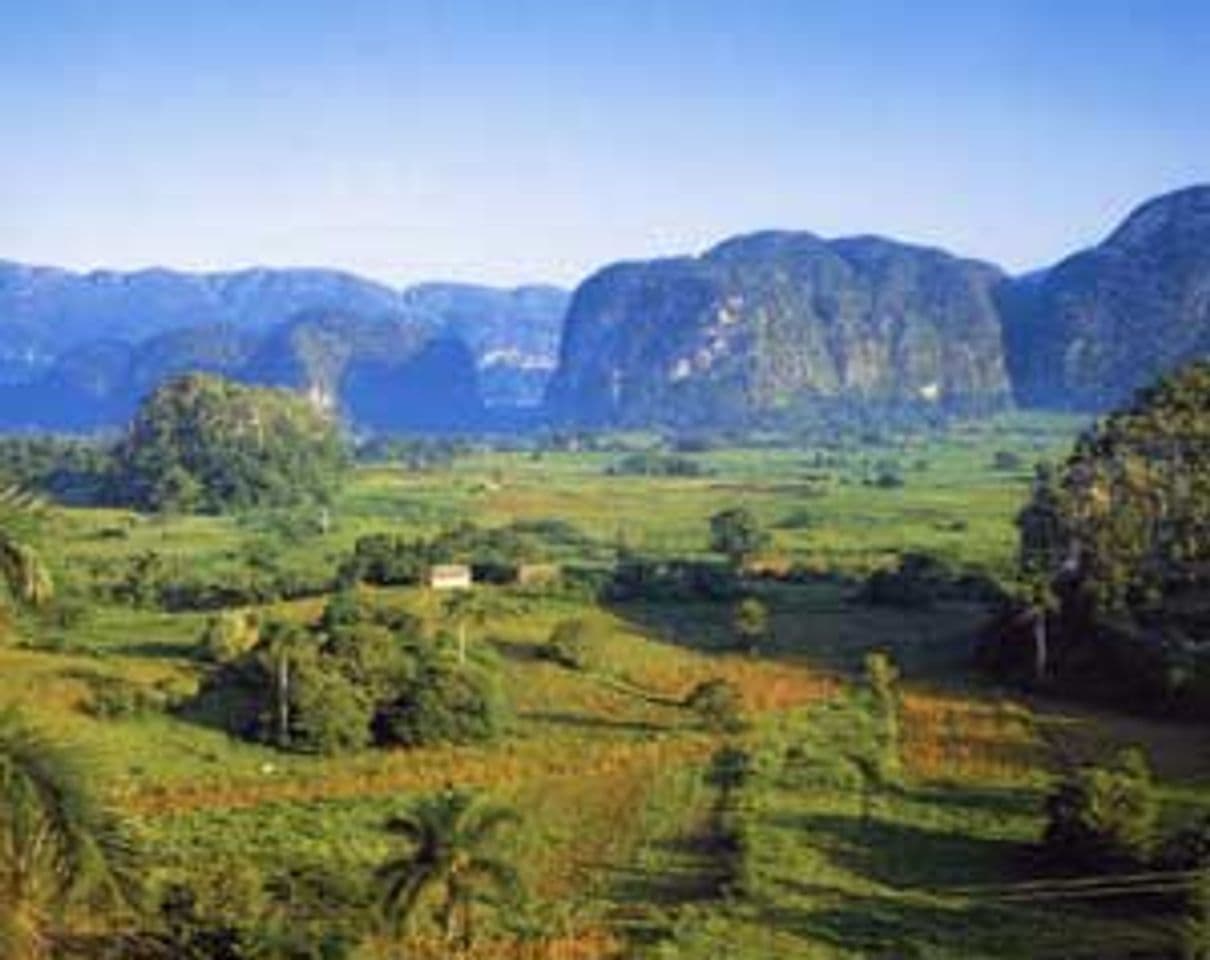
{"points": [[576, 644], [358, 675], [718, 704], [442, 704], [1102, 818], [639, 578], [229, 634]]}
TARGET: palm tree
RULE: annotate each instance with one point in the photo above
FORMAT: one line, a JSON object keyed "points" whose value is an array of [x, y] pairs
{"points": [[448, 835], [56, 842], [282, 645], [21, 569], [464, 607]]}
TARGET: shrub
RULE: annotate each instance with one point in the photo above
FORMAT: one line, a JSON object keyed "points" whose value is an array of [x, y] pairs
{"points": [[1102, 818], [442, 705], [228, 635], [917, 581], [882, 681], [576, 644], [730, 768], [799, 519], [650, 464], [332, 714], [737, 534], [1188, 848], [718, 704], [750, 623], [115, 698], [650, 579], [888, 479]]}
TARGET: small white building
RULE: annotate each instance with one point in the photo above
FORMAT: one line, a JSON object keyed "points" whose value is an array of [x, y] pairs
{"points": [[449, 576]]}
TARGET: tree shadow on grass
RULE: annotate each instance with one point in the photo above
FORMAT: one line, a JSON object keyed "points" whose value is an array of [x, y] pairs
{"points": [[998, 801], [934, 642], [584, 721], [906, 856], [521, 651], [153, 649], [686, 875], [906, 929]]}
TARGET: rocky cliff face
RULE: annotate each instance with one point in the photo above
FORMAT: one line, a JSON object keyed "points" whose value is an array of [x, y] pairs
{"points": [[1088, 332], [514, 334], [765, 322]]}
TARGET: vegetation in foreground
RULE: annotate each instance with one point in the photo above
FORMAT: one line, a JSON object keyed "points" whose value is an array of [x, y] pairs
{"points": [[740, 720]]}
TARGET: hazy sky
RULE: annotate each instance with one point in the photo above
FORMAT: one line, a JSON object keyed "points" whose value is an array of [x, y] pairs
{"points": [[508, 141]]}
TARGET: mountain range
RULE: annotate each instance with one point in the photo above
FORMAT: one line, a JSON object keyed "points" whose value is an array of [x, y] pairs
{"points": [[759, 326], [78, 351]]}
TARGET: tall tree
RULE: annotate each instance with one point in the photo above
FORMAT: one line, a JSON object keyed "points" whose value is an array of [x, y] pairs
{"points": [[281, 648], [448, 854], [1046, 547], [57, 843], [464, 608], [737, 533]]}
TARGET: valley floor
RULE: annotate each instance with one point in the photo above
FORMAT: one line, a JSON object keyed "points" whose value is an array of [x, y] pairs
{"points": [[619, 845]]}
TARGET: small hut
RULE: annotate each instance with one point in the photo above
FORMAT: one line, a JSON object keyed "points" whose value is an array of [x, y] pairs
{"points": [[449, 576]]}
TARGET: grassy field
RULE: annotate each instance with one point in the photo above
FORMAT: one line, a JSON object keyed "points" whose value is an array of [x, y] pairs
{"points": [[605, 766]]}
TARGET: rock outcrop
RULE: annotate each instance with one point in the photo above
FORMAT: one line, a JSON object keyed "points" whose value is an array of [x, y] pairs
{"points": [[764, 323]]}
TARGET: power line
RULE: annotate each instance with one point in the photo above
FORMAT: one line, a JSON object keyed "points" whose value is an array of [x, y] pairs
{"points": [[1091, 881]]}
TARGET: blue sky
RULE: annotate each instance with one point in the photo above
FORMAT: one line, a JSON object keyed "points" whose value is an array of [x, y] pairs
{"points": [[510, 141]]}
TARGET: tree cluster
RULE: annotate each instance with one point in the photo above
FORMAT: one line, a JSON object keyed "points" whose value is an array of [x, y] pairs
{"points": [[359, 676], [1115, 559]]}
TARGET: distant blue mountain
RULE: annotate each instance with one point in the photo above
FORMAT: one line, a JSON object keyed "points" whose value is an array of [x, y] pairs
{"points": [[78, 349]]}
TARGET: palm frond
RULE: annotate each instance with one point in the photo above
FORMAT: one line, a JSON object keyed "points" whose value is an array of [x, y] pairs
{"points": [[500, 874], [406, 883], [26, 576], [54, 823], [485, 821]]}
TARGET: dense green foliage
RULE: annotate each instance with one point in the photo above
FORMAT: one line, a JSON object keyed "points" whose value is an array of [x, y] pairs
{"points": [[920, 580], [750, 622], [200, 443], [1103, 818], [70, 469], [359, 675], [1115, 553], [737, 534]]}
